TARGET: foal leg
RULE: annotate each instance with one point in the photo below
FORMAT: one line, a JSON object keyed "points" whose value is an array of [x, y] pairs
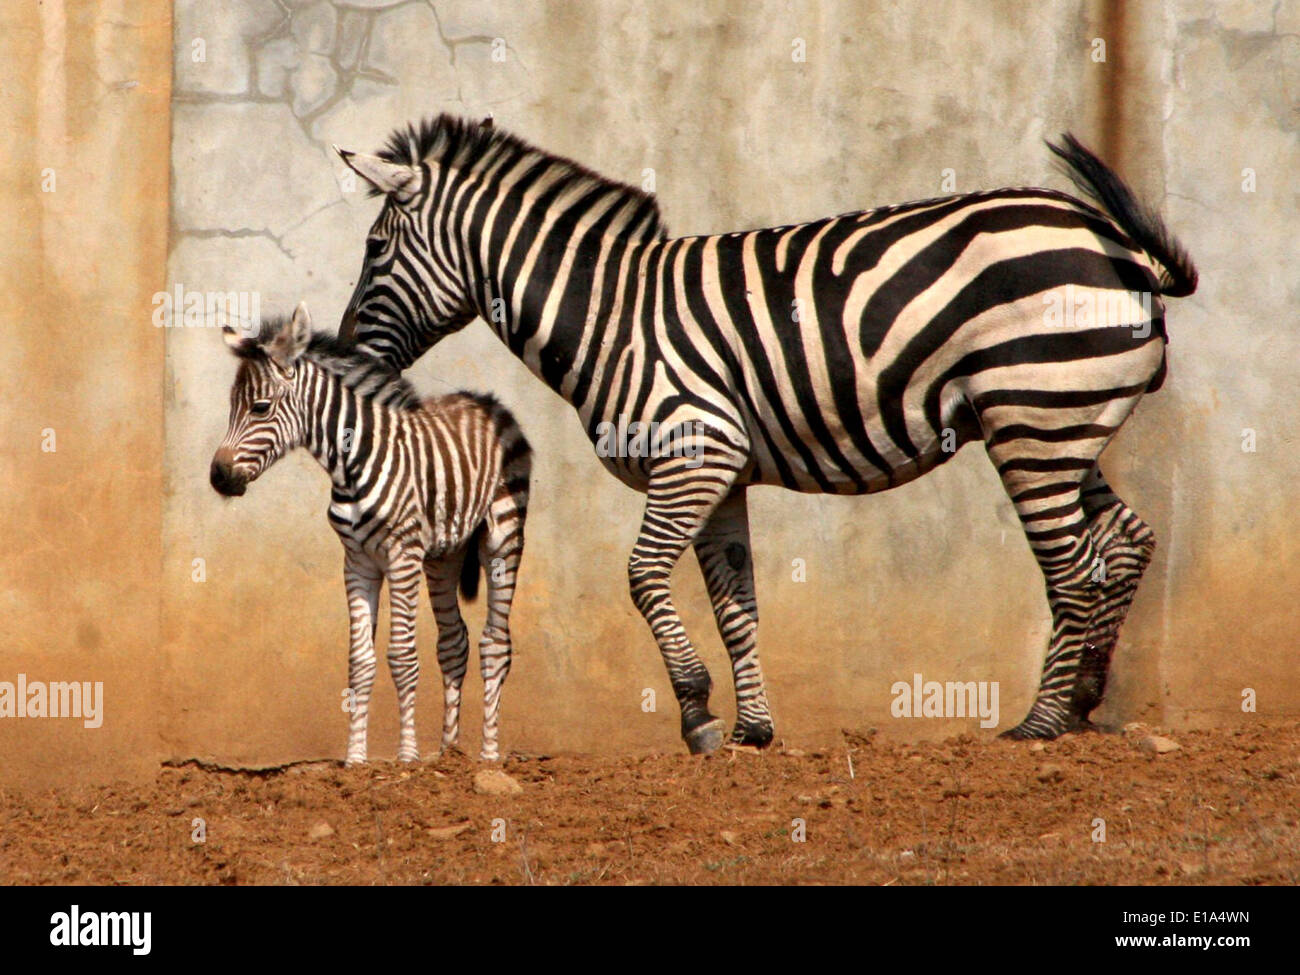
{"points": [[364, 582], [500, 551], [403, 662], [443, 576]]}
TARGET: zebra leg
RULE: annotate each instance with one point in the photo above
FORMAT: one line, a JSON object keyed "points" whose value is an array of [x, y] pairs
{"points": [[1056, 526], [680, 500], [403, 661], [1124, 545], [726, 561], [500, 551], [443, 576], [364, 583]]}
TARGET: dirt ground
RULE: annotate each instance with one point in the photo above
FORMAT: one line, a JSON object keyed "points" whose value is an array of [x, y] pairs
{"points": [[1221, 809]]}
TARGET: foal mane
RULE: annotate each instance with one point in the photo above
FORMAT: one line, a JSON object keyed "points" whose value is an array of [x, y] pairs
{"points": [[366, 375]]}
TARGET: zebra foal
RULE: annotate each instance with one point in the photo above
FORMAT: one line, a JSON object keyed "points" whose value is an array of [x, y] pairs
{"points": [[437, 486]]}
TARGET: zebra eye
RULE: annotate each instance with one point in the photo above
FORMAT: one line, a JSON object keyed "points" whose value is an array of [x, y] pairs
{"points": [[261, 407]]}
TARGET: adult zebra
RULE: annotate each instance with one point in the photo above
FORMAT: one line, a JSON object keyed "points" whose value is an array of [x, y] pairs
{"points": [[437, 487], [847, 355]]}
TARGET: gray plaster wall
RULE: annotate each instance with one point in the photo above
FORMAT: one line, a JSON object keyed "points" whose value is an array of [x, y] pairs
{"points": [[710, 100]]}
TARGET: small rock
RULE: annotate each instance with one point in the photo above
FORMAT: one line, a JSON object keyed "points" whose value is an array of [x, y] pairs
{"points": [[494, 782], [1050, 773], [729, 837], [446, 832], [1158, 745], [1038, 746], [907, 856], [795, 753], [320, 831]]}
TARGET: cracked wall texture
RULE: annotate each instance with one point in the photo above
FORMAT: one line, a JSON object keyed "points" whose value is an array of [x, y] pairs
{"points": [[934, 578]]}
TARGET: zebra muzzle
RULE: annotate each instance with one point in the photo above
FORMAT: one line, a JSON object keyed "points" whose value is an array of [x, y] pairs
{"points": [[224, 480]]}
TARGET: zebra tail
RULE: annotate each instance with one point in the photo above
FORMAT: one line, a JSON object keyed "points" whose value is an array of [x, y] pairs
{"points": [[470, 568], [1092, 176]]}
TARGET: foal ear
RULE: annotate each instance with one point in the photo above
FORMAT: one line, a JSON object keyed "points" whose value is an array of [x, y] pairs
{"points": [[486, 123], [233, 338], [291, 341], [240, 343], [390, 179]]}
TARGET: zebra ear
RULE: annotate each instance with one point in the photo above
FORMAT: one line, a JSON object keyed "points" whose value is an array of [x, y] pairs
{"points": [[291, 340], [387, 178], [240, 343]]}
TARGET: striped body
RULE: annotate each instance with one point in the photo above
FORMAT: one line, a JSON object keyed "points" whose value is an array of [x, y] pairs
{"points": [[847, 355], [837, 353], [434, 488]]}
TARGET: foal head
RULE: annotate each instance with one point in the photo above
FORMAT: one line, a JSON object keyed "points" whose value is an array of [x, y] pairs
{"points": [[266, 419]]}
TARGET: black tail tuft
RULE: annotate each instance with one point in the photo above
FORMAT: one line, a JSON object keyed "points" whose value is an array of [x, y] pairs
{"points": [[1141, 223], [469, 570]]}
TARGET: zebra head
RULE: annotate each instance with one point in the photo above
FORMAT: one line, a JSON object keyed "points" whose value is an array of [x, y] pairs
{"points": [[414, 288], [265, 413]]}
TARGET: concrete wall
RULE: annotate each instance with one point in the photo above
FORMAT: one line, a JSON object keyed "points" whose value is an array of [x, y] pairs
{"points": [[248, 663], [84, 90]]}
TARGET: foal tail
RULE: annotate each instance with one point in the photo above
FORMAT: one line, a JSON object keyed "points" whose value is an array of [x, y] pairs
{"points": [[470, 568]]}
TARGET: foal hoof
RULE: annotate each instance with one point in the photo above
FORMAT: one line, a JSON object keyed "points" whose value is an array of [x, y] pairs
{"points": [[1029, 730], [707, 738], [1022, 733]]}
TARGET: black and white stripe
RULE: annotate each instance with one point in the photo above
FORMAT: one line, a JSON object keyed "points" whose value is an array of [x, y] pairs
{"points": [[435, 488], [847, 355]]}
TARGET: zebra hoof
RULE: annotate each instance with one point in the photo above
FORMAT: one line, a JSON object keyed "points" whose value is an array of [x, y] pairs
{"points": [[757, 738], [1021, 733], [707, 738], [1025, 731]]}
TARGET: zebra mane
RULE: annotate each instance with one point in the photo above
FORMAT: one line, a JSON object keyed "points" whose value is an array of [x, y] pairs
{"points": [[462, 143], [366, 375]]}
